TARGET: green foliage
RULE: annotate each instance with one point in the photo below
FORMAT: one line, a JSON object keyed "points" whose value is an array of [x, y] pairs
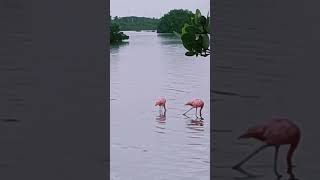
{"points": [[133, 23], [194, 35], [174, 20], [115, 34]]}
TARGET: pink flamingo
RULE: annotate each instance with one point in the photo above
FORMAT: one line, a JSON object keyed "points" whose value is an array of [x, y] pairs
{"points": [[274, 133], [161, 102], [196, 103]]}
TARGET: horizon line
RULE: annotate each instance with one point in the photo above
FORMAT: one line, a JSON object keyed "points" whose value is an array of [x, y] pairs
{"points": [[134, 16], [162, 14]]}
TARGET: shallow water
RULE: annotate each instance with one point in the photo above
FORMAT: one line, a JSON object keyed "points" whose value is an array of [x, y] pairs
{"points": [[145, 145], [267, 71], [247, 101]]}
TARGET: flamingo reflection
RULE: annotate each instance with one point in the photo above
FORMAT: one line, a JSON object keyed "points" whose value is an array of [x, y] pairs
{"points": [[195, 124], [161, 119]]}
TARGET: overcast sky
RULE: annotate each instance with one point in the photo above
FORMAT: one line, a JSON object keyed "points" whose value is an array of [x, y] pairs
{"points": [[155, 8]]}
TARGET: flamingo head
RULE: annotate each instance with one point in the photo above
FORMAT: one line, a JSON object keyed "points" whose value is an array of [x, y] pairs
{"points": [[188, 103]]}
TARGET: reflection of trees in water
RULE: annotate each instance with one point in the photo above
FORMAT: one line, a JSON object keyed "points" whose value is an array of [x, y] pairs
{"points": [[119, 44], [114, 48], [167, 35], [169, 38]]}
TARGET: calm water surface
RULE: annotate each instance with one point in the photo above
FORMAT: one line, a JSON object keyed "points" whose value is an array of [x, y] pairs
{"points": [[145, 145]]}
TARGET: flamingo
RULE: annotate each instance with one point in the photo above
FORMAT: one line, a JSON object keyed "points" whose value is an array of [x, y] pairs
{"points": [[274, 133], [196, 103], [161, 102]]}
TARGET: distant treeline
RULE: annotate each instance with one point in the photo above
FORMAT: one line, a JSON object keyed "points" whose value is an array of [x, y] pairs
{"points": [[173, 21], [133, 23]]}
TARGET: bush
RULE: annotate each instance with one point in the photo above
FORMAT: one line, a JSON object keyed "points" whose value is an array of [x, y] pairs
{"points": [[195, 36], [174, 21], [115, 34]]}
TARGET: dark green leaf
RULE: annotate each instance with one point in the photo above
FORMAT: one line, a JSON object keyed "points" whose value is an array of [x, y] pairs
{"points": [[202, 21], [195, 36], [188, 40], [207, 21], [205, 41], [192, 21], [192, 29], [190, 53], [183, 31], [197, 16]]}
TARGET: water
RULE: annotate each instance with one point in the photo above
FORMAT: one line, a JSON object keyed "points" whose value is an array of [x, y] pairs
{"points": [[255, 91], [145, 145], [270, 68]]}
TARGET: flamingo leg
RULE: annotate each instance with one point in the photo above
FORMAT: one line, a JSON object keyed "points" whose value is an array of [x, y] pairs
{"points": [[237, 166], [160, 110], [275, 160], [196, 112], [292, 176], [165, 109], [201, 113], [187, 111]]}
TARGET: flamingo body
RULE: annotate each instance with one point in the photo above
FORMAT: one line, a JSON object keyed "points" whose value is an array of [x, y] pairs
{"points": [[196, 103], [275, 132], [161, 102]]}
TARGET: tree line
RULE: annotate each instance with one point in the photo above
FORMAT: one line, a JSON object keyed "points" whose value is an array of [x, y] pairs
{"points": [[171, 21], [190, 26], [133, 23]]}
